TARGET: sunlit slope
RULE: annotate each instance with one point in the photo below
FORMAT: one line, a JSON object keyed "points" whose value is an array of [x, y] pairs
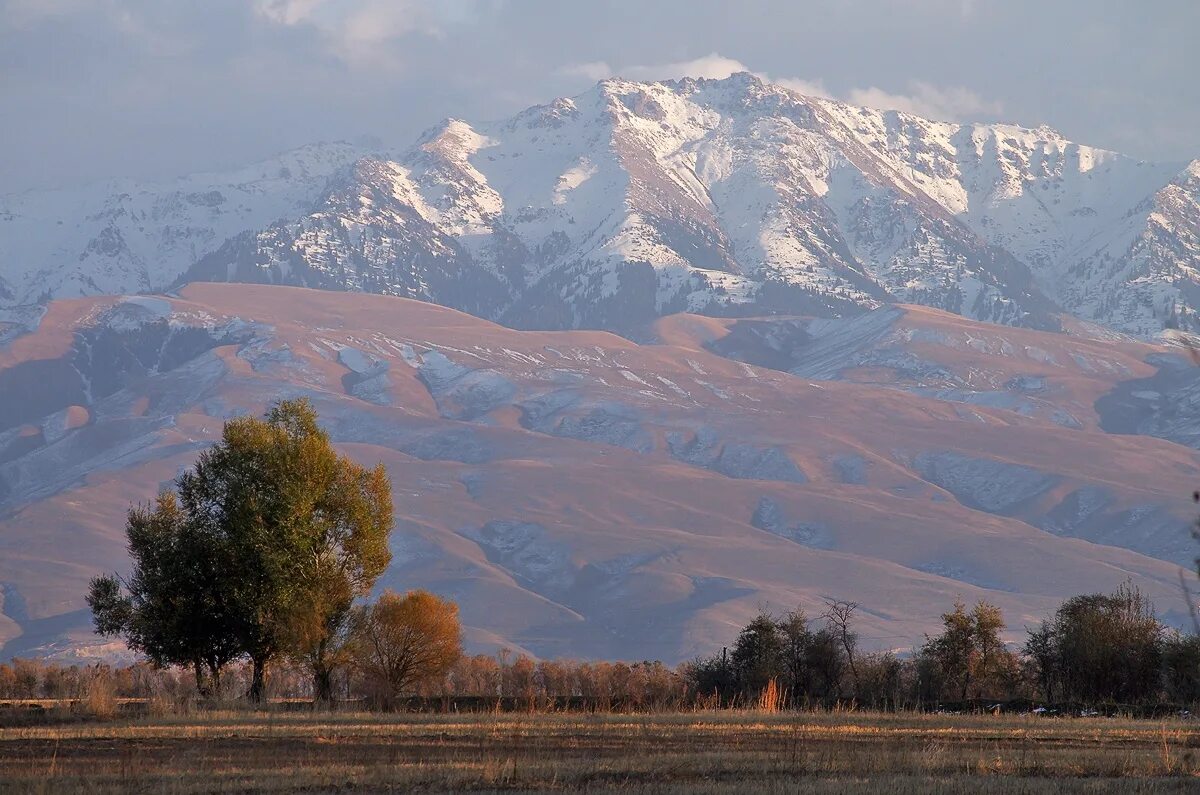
{"points": [[581, 494]]}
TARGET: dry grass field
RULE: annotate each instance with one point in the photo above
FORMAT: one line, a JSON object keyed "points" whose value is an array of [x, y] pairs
{"points": [[703, 752]]}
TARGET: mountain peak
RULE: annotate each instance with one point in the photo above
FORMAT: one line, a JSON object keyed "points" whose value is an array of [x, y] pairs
{"points": [[735, 80]]}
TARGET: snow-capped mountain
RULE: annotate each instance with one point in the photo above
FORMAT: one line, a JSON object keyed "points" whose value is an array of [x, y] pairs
{"points": [[634, 200], [125, 237]]}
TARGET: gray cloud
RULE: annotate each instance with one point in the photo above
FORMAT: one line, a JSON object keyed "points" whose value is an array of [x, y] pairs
{"points": [[951, 104], [151, 88]]}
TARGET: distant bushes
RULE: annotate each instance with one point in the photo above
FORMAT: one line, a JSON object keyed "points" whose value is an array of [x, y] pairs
{"points": [[98, 691], [485, 682], [1097, 648]]}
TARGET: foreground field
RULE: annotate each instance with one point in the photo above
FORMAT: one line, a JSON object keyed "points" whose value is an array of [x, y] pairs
{"points": [[676, 753]]}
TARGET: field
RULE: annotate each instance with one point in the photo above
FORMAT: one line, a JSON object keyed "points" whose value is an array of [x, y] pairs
{"points": [[702, 752]]}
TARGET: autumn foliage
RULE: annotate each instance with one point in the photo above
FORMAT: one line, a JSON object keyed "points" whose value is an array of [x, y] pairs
{"points": [[400, 642]]}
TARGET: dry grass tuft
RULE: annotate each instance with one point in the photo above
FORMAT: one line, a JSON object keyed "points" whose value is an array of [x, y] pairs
{"points": [[770, 700], [99, 698]]}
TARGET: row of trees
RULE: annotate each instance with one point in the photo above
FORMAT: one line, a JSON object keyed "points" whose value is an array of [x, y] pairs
{"points": [[1095, 648], [261, 552], [481, 681]]}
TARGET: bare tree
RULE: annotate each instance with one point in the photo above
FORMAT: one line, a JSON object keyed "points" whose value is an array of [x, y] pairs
{"points": [[840, 616]]}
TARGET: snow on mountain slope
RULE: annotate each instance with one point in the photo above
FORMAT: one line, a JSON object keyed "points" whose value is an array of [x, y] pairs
{"points": [[725, 485], [1143, 271], [634, 200], [372, 232], [734, 196], [124, 237]]}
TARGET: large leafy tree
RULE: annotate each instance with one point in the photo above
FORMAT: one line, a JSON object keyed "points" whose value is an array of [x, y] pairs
{"points": [[1100, 647], [173, 607], [287, 532], [954, 650], [305, 528], [969, 652], [796, 639]]}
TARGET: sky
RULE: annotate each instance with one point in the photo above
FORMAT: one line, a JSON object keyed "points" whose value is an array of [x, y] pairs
{"points": [[149, 89]]}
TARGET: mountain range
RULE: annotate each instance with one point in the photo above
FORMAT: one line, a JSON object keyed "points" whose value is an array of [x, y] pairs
{"points": [[730, 197], [640, 363]]}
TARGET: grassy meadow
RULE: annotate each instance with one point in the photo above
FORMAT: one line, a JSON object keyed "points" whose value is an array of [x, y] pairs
{"points": [[696, 752]]}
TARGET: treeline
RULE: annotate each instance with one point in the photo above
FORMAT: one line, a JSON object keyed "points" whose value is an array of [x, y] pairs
{"points": [[1095, 649], [503, 680]]}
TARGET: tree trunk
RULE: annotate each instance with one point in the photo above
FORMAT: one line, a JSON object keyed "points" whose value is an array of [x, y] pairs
{"points": [[214, 674], [258, 682], [322, 684], [201, 683], [853, 667], [322, 671]]}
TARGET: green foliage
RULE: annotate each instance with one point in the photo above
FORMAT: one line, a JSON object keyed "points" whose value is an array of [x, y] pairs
{"points": [[272, 538], [880, 680], [173, 608], [1181, 666], [951, 651], [758, 654], [968, 660], [711, 676], [1041, 658], [1100, 647], [806, 663], [112, 610], [796, 640], [826, 659]]}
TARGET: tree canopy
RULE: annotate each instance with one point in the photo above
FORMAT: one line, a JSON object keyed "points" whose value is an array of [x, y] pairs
{"points": [[173, 607], [262, 550], [969, 658], [1100, 647], [401, 641]]}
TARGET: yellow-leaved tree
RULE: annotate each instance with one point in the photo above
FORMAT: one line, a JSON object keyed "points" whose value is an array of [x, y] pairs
{"points": [[400, 642]]}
